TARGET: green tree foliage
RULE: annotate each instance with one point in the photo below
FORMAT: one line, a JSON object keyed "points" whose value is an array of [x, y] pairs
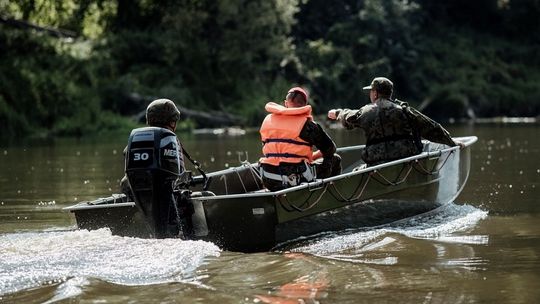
{"points": [[198, 53], [213, 55], [476, 57], [357, 41], [204, 54], [46, 85], [77, 67]]}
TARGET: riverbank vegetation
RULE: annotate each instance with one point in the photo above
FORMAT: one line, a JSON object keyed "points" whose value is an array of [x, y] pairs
{"points": [[83, 67]]}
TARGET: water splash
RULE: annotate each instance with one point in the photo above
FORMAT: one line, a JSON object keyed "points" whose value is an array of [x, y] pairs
{"points": [[37, 258], [69, 289], [438, 225]]}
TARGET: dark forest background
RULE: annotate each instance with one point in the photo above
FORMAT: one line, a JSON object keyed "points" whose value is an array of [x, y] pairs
{"points": [[83, 67]]}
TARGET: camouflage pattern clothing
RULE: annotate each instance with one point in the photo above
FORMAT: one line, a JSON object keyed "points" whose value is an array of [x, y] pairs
{"points": [[392, 130], [330, 165]]}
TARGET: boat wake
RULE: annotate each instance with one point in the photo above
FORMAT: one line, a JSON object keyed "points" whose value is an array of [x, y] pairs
{"points": [[70, 258], [442, 225]]}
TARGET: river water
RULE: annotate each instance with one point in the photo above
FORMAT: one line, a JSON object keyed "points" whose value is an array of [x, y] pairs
{"points": [[483, 248]]}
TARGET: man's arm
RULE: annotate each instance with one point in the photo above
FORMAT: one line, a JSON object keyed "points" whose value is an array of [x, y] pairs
{"points": [[430, 129], [349, 118], [313, 133]]}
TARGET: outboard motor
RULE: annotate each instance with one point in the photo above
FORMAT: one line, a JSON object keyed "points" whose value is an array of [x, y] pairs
{"points": [[153, 164]]}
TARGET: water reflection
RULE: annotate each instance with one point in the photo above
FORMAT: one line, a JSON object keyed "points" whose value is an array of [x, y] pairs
{"points": [[427, 241], [308, 288]]}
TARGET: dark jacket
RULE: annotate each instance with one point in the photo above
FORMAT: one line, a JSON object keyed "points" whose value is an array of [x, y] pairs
{"points": [[392, 130]]}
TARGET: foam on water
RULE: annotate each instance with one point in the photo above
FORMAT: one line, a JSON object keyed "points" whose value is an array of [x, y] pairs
{"points": [[439, 225], [32, 259], [69, 289]]}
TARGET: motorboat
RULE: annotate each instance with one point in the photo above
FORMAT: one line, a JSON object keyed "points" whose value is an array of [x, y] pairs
{"points": [[232, 209]]}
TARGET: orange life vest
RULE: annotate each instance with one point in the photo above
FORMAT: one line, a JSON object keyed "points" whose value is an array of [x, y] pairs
{"points": [[280, 132]]}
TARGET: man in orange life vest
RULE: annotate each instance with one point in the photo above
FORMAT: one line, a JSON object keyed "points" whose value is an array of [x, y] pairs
{"points": [[288, 134]]}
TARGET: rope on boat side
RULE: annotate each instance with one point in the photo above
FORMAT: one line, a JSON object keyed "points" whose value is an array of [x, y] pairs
{"points": [[251, 169], [297, 208], [293, 209], [396, 181], [342, 198], [254, 173], [432, 171], [370, 175], [385, 182], [240, 178], [224, 178]]}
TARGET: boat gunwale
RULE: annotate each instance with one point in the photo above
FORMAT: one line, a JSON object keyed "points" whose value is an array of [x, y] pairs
{"points": [[317, 184], [87, 206]]}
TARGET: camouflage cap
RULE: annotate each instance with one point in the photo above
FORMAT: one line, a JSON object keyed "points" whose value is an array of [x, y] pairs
{"points": [[161, 112], [382, 85]]}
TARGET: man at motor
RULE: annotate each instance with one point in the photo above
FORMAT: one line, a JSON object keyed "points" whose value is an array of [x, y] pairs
{"points": [[288, 135], [160, 113]]}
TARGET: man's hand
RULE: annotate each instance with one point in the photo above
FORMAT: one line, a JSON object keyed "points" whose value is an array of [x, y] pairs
{"points": [[325, 169], [333, 114]]}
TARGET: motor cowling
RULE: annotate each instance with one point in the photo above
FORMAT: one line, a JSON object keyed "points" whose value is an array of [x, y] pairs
{"points": [[153, 164]]}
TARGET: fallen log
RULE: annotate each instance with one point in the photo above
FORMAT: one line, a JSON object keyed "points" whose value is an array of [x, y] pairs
{"points": [[468, 110], [22, 24], [203, 119]]}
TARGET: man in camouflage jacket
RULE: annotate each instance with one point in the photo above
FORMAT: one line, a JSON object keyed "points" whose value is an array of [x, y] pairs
{"points": [[393, 129]]}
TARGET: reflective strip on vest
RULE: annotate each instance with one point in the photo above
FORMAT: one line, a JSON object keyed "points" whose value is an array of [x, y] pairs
{"points": [[284, 140]]}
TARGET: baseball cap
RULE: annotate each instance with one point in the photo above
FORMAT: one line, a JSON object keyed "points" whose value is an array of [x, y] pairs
{"points": [[382, 85]]}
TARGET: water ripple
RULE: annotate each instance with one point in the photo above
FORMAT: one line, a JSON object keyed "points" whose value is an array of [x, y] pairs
{"points": [[439, 225]]}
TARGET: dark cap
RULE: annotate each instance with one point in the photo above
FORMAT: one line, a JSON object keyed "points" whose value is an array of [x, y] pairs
{"points": [[382, 85], [161, 112], [299, 90]]}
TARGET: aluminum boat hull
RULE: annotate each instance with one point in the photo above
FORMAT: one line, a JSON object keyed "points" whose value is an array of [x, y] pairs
{"points": [[243, 216]]}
